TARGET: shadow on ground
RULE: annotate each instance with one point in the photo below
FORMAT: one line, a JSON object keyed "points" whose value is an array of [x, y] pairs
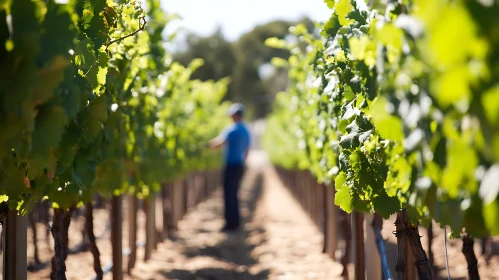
{"points": [[215, 274], [235, 249]]}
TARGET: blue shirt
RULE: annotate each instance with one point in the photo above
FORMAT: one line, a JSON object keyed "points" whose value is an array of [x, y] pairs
{"points": [[237, 141]]}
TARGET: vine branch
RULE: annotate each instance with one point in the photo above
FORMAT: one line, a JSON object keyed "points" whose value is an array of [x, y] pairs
{"points": [[142, 25]]}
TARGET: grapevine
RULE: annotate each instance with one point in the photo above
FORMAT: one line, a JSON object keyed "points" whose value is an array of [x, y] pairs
{"points": [[389, 104], [91, 103]]}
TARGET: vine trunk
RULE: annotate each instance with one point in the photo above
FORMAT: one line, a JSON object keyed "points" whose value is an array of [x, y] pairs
{"points": [[469, 253], [89, 229], [408, 234]]}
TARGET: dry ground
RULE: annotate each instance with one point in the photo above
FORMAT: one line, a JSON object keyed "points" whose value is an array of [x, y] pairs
{"points": [[278, 241]]}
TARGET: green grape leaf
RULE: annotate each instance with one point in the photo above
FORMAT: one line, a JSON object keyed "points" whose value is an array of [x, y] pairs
{"points": [[332, 26], [389, 35], [71, 101], [103, 59], [386, 205], [491, 216], [459, 172], [343, 198], [342, 9], [389, 127], [279, 62], [453, 33], [490, 105], [363, 49], [358, 46], [453, 86], [330, 3], [98, 109], [49, 77], [87, 14], [49, 128], [101, 75], [58, 32], [276, 43], [12, 180], [360, 17], [473, 218]]}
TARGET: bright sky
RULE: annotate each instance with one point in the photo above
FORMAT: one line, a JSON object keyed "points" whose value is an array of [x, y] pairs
{"points": [[239, 16]]}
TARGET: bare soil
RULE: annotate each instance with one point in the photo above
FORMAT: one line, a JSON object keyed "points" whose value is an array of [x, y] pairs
{"points": [[278, 241]]}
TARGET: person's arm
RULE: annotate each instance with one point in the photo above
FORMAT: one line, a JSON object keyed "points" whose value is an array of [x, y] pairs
{"points": [[217, 142]]}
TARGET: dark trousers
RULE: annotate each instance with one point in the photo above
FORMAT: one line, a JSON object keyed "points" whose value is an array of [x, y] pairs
{"points": [[233, 174]]}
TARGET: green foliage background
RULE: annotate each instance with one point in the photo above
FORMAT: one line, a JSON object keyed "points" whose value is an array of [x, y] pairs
{"points": [[90, 103], [241, 62]]}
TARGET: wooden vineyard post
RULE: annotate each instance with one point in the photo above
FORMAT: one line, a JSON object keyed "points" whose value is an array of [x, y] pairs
{"points": [[302, 194], [197, 189], [169, 214], [206, 182], [174, 201], [158, 218], [321, 209], [294, 183], [331, 222], [345, 225], [299, 192], [309, 190], [320, 206], [15, 240], [201, 188], [185, 196], [358, 243], [177, 202], [373, 261], [190, 191], [164, 196], [325, 231], [116, 237], [296, 186], [306, 192], [210, 184], [149, 208], [218, 180], [193, 190], [132, 232], [313, 197]]}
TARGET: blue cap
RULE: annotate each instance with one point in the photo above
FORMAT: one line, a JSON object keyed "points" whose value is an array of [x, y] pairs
{"points": [[235, 108]]}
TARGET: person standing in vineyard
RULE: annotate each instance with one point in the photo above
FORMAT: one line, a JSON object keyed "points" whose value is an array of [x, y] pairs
{"points": [[236, 139]]}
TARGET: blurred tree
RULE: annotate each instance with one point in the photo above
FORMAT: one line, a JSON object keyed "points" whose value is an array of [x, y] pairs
{"points": [[246, 62], [215, 50]]}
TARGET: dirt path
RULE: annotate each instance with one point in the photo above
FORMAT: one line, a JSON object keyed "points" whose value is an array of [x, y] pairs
{"points": [[277, 240]]}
